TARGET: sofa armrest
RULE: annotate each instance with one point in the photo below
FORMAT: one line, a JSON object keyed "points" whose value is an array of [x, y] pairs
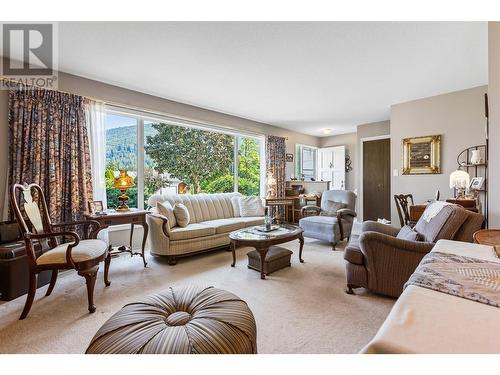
{"points": [[373, 226], [390, 261], [164, 220]]}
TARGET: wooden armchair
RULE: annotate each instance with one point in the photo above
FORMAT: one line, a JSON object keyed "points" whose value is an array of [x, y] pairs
{"points": [[83, 255]]}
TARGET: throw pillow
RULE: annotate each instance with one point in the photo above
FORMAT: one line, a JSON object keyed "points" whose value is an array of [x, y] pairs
{"points": [[331, 208], [181, 215], [166, 209], [407, 233], [235, 201], [251, 206]]}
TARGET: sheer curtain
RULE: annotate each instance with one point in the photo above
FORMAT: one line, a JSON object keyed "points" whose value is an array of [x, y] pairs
{"points": [[96, 122]]}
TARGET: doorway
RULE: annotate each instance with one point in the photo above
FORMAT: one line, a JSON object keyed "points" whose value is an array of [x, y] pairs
{"points": [[376, 178], [331, 166]]}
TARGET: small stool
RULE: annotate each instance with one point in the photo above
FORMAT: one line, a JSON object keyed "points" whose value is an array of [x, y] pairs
{"points": [[190, 320], [277, 258]]}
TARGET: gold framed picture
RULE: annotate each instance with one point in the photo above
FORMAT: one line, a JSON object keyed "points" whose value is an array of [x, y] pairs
{"points": [[422, 155]]}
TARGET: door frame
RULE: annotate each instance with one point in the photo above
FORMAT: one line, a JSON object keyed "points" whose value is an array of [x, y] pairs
{"points": [[362, 141]]}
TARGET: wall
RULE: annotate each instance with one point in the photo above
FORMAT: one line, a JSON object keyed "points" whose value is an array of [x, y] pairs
{"points": [[457, 116], [349, 141], [494, 112], [117, 95]]}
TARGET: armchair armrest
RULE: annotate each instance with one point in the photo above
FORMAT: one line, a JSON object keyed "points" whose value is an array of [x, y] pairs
{"points": [[39, 236], [93, 223], [304, 209], [373, 226], [165, 224], [346, 212], [340, 215]]}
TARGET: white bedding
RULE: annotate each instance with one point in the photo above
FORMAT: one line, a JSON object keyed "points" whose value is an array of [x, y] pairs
{"points": [[426, 321]]}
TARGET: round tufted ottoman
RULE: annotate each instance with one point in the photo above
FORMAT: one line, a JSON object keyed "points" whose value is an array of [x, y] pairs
{"points": [[190, 320]]}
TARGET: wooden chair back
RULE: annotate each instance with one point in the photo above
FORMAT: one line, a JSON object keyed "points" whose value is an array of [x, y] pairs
{"points": [[31, 212], [403, 205]]}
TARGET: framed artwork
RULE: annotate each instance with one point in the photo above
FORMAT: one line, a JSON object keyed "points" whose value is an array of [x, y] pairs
{"points": [[476, 183], [96, 207], [422, 155], [289, 158]]}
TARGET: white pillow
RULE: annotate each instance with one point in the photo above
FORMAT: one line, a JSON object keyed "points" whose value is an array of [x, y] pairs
{"points": [[235, 201], [181, 215], [251, 206], [166, 209]]}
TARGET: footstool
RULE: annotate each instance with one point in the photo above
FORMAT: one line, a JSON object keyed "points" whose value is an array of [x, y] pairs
{"points": [[277, 257], [188, 320]]}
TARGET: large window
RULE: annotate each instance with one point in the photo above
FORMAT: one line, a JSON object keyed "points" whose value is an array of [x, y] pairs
{"points": [[165, 154], [121, 153]]}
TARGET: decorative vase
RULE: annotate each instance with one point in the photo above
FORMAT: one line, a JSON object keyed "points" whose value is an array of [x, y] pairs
{"points": [[476, 157]]}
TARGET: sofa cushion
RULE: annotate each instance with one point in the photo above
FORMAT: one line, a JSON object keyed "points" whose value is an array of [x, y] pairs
{"points": [[181, 215], [330, 208], [407, 233], [166, 209], [250, 221], [193, 230], [442, 226], [352, 252], [251, 206], [224, 225]]}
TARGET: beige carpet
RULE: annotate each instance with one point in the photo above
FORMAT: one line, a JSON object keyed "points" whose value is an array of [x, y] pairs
{"points": [[301, 309]]}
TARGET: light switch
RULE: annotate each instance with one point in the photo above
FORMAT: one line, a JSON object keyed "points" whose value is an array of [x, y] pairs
{"points": [[395, 172]]}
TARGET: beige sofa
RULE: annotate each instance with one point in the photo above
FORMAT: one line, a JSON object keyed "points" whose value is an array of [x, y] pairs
{"points": [[212, 218]]}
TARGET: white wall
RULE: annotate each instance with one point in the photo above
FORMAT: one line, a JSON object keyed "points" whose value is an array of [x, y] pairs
{"points": [[494, 110], [457, 116]]}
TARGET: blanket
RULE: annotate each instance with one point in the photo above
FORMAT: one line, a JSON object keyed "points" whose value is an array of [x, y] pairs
{"points": [[474, 279]]}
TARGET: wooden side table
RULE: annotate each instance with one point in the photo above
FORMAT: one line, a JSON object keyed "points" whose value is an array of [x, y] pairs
{"points": [[132, 217]]}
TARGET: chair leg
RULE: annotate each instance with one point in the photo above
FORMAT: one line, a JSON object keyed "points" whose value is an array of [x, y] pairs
{"points": [[53, 280], [333, 246], [31, 295], [90, 278], [349, 289], [107, 262]]}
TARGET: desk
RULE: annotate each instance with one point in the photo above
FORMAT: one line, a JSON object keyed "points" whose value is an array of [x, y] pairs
{"points": [[132, 217]]}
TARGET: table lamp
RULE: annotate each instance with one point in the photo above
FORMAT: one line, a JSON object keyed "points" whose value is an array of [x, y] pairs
{"points": [[122, 183], [459, 180]]}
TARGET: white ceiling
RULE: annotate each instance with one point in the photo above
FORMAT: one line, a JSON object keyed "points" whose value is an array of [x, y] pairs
{"points": [[300, 76]]}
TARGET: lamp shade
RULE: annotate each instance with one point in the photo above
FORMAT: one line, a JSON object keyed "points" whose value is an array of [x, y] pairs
{"points": [[123, 181], [459, 179]]}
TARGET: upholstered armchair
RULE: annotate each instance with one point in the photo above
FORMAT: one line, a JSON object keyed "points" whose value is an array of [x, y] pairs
{"points": [[332, 222], [381, 262]]}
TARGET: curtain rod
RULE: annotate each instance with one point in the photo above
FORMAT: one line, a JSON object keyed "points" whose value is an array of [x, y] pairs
{"points": [[127, 107], [17, 82]]}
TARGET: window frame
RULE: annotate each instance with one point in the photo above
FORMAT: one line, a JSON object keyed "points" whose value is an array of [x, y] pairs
{"points": [[144, 116]]}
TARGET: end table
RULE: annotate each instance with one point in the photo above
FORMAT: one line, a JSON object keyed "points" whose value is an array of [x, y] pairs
{"points": [[133, 216]]}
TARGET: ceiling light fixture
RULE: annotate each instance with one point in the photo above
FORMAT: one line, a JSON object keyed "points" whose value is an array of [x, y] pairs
{"points": [[326, 130]]}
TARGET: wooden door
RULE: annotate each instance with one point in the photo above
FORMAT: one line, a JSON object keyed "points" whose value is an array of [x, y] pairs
{"points": [[377, 179], [331, 166]]}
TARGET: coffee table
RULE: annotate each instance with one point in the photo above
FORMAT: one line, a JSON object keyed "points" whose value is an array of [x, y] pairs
{"points": [[262, 241]]}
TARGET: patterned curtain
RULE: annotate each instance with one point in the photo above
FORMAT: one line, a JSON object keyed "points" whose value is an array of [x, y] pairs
{"points": [[276, 165], [49, 146]]}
